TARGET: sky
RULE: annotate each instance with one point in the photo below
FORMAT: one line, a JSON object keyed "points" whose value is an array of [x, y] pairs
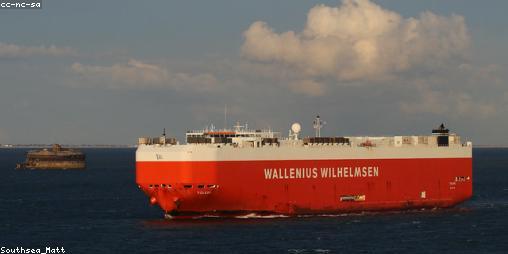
{"points": [[107, 72]]}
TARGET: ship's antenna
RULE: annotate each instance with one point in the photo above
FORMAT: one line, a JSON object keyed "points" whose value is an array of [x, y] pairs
{"points": [[318, 124], [164, 132], [225, 116]]}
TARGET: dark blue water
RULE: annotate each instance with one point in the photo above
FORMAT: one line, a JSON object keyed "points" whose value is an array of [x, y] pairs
{"points": [[100, 210]]}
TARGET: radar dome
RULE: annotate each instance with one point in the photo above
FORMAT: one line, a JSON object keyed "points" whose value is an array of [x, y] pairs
{"points": [[296, 127]]}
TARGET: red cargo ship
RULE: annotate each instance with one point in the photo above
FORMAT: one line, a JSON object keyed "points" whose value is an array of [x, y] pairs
{"points": [[241, 171]]}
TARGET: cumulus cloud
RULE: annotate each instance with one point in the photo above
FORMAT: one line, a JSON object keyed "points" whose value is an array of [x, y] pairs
{"points": [[136, 74], [17, 51], [359, 40]]}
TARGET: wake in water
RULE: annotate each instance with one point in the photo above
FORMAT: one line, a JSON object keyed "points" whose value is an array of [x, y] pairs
{"points": [[259, 216], [331, 215], [209, 216]]}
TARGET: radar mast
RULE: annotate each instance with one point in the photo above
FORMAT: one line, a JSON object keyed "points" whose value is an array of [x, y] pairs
{"points": [[318, 124]]}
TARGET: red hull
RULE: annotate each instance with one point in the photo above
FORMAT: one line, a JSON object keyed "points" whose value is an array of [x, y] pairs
{"points": [[239, 187]]}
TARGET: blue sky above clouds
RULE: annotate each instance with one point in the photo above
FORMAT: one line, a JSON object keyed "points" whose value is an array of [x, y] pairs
{"points": [[108, 72]]}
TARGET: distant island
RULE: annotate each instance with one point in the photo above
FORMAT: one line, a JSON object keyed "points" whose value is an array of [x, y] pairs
{"points": [[490, 146]]}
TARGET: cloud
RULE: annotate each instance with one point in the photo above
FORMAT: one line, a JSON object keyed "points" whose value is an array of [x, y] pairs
{"points": [[16, 51], [457, 104], [133, 72], [307, 87], [359, 40], [137, 74]]}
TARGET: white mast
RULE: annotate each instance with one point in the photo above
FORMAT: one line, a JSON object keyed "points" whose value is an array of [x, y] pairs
{"points": [[225, 116], [318, 124]]}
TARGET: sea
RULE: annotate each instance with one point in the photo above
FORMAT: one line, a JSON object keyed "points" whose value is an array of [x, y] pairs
{"points": [[101, 210]]}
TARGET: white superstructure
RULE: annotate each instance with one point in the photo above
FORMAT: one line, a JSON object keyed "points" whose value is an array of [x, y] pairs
{"points": [[241, 144]]}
